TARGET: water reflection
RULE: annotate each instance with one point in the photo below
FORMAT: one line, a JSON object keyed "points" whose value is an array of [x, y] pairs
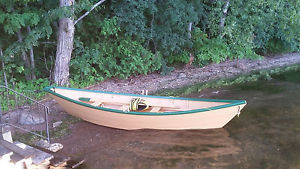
{"points": [[110, 148]]}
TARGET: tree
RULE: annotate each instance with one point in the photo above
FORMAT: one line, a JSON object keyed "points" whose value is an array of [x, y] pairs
{"points": [[3, 67], [24, 55], [22, 24], [127, 37], [64, 46], [65, 42], [169, 21]]}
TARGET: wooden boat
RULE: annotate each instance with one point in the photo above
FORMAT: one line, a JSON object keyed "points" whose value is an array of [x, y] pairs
{"points": [[172, 113]]}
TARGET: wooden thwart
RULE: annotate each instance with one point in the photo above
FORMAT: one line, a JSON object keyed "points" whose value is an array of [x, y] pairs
{"points": [[96, 103], [155, 109]]}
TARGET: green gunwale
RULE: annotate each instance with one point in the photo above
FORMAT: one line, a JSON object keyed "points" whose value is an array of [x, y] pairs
{"points": [[230, 102]]}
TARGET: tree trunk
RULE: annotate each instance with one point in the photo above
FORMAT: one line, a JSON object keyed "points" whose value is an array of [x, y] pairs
{"points": [[64, 47], [191, 60], [222, 20], [31, 58], [24, 56], [3, 67], [190, 30]]}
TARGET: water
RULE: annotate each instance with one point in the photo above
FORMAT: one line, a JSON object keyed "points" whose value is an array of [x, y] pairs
{"points": [[266, 135], [269, 128]]}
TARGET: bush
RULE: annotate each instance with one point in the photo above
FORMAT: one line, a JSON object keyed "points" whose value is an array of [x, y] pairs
{"points": [[209, 50], [114, 56]]}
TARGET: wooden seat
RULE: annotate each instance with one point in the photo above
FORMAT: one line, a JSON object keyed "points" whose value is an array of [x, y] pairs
{"points": [[155, 109], [125, 107], [97, 103]]}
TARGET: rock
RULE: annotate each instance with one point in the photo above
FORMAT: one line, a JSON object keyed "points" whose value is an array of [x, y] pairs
{"points": [[43, 143], [56, 124], [182, 75], [29, 118], [51, 147], [55, 147], [215, 92], [260, 63], [241, 65]]}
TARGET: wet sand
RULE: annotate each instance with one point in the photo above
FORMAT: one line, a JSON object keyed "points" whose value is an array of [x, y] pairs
{"points": [[104, 147]]}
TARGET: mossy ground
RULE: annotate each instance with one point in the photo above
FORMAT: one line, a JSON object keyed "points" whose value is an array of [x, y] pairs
{"points": [[55, 133]]}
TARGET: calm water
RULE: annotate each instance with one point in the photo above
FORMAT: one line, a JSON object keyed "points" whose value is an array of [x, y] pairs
{"points": [[266, 135], [268, 130]]}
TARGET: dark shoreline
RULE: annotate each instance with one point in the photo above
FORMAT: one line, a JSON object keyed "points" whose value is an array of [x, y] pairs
{"points": [[194, 75]]}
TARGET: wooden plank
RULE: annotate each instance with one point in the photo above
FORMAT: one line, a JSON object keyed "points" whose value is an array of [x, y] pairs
{"points": [[58, 160], [5, 153], [38, 156], [16, 149], [125, 108], [96, 103], [74, 163], [62, 161], [155, 109]]}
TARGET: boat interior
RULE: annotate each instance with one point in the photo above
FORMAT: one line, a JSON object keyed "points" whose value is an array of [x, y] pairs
{"points": [[123, 101]]}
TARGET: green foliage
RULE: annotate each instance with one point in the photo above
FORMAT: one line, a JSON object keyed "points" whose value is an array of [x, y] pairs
{"points": [[182, 57], [163, 22], [127, 37], [209, 50], [16, 18], [114, 56], [165, 69], [32, 89], [251, 27], [14, 22], [172, 20], [32, 86], [109, 27], [277, 46], [128, 58], [252, 24], [134, 16]]}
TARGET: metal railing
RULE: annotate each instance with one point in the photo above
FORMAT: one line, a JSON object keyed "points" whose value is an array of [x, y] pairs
{"points": [[15, 106]]}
